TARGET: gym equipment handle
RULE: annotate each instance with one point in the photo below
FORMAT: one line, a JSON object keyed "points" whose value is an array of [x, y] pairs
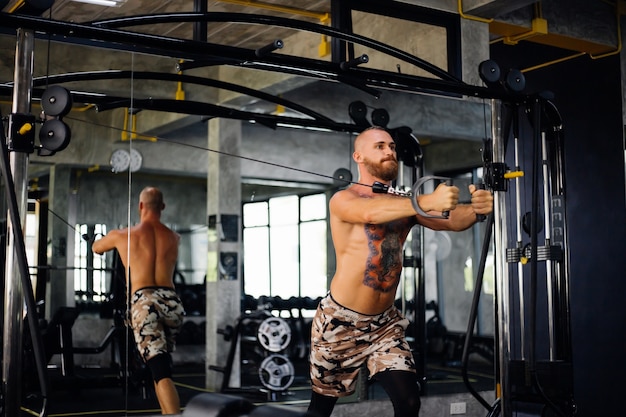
{"points": [[446, 213], [481, 217]]}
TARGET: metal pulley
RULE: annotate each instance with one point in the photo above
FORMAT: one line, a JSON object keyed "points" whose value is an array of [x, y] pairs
{"points": [[56, 101], [55, 135], [274, 334]]}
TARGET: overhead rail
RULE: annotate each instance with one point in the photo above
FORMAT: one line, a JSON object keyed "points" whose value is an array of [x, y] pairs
{"points": [[187, 79], [104, 34]]}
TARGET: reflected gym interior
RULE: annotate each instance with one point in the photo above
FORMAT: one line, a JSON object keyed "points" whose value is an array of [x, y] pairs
{"points": [[244, 114]]}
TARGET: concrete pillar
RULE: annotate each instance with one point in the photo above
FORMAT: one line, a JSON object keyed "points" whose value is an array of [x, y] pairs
{"points": [[61, 201], [223, 286], [474, 49]]}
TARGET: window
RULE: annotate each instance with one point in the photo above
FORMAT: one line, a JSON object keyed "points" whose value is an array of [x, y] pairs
{"points": [[90, 276], [284, 244]]}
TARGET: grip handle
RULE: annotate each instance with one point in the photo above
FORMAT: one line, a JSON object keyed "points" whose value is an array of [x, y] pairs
{"points": [[446, 213], [481, 217]]}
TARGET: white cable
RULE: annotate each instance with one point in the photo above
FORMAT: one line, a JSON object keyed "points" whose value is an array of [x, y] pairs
{"points": [[128, 223]]}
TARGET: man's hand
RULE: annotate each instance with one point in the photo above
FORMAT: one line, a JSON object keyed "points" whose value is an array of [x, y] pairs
{"points": [[444, 198], [482, 200]]}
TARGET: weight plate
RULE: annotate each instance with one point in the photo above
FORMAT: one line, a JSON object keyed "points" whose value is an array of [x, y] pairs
{"points": [[276, 372], [274, 334]]}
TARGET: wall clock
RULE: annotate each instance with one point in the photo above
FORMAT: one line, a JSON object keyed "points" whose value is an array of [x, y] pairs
{"points": [[122, 160]]}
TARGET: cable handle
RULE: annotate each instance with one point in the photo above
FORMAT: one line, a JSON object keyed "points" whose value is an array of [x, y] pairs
{"points": [[381, 188], [480, 217], [416, 191], [445, 214]]}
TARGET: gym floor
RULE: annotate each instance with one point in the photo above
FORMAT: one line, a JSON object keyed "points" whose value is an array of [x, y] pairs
{"points": [[96, 391]]}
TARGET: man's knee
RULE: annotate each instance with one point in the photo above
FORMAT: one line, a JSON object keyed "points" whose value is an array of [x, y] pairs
{"points": [[410, 406], [160, 366]]}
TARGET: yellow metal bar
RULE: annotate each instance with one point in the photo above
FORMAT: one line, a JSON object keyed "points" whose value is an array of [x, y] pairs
{"points": [[279, 8], [556, 61], [124, 135], [468, 17], [133, 129], [539, 27], [16, 6]]}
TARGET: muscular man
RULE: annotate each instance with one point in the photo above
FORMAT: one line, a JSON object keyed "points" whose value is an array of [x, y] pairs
{"points": [[357, 322], [149, 251]]}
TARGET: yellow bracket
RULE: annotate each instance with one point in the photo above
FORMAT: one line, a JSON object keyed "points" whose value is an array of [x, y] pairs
{"points": [[539, 27], [468, 17], [131, 134], [180, 93], [324, 48], [513, 174]]}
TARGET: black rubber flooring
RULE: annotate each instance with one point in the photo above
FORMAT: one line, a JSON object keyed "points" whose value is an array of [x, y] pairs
{"points": [[101, 392]]}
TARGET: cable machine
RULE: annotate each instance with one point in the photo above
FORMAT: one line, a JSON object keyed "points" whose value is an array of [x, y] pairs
{"points": [[534, 369], [534, 373]]}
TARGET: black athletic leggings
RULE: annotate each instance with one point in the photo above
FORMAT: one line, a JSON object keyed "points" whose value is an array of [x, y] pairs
{"points": [[401, 386]]}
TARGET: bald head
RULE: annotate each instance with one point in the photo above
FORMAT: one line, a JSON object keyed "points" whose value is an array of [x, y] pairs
{"points": [[373, 133], [152, 199], [375, 155]]}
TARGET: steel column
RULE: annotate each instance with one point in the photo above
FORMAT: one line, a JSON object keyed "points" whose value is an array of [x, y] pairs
{"points": [[502, 271], [14, 292]]}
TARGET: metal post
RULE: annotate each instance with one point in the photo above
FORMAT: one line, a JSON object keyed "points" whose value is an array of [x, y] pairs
{"points": [[547, 221], [518, 231], [502, 272], [14, 292]]}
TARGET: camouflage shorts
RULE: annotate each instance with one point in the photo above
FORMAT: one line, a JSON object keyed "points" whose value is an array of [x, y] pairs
{"points": [[156, 316], [343, 340]]}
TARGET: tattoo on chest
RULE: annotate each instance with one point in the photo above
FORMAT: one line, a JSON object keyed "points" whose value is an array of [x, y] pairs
{"points": [[384, 260]]}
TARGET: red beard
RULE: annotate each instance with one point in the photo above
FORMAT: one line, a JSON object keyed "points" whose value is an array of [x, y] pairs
{"points": [[386, 172]]}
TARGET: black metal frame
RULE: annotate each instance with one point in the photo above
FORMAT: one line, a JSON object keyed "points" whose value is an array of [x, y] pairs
{"points": [[106, 34]]}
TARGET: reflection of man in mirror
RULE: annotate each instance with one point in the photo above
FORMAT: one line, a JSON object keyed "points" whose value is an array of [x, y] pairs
{"points": [[149, 251], [357, 323]]}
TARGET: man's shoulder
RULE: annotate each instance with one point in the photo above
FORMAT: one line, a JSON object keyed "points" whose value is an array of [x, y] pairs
{"points": [[348, 193]]}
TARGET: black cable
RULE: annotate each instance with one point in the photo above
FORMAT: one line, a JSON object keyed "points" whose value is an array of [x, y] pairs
{"points": [[474, 312], [66, 222], [304, 171], [533, 261]]}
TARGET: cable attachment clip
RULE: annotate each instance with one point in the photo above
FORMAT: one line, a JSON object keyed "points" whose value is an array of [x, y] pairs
{"points": [[380, 188]]}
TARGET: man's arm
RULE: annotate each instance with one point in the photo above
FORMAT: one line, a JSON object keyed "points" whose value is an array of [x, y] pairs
{"points": [[106, 243], [464, 215], [350, 207]]}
